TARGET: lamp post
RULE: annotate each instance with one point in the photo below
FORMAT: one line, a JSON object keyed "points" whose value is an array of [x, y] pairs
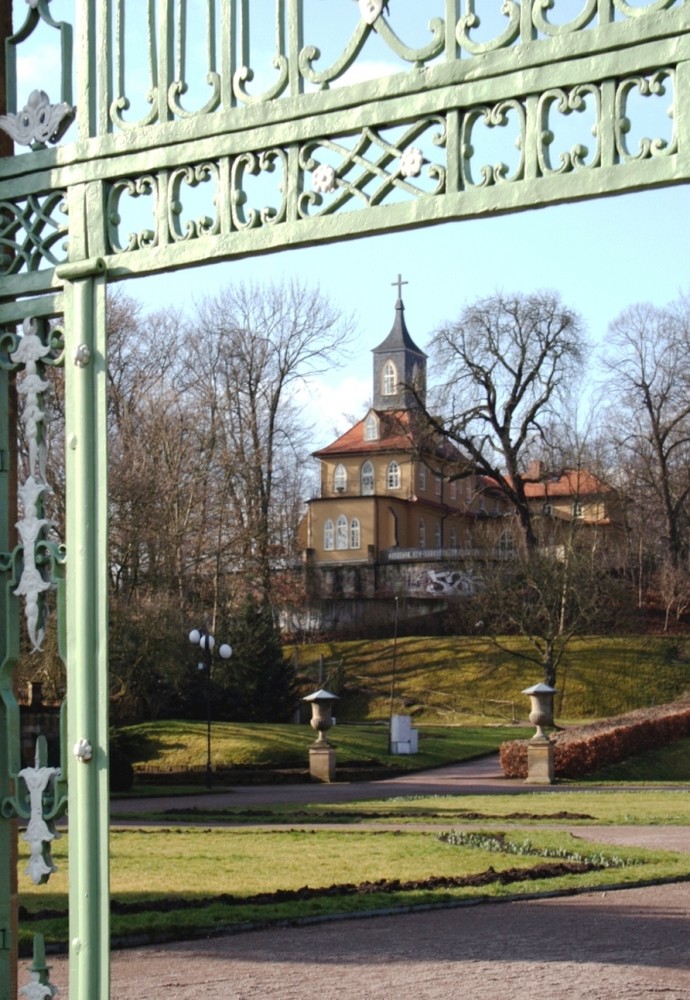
{"points": [[206, 642]]}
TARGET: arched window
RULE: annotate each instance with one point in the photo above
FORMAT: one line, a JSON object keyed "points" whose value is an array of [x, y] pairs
{"points": [[341, 532], [355, 534], [390, 379], [371, 428], [422, 477], [438, 538], [340, 479], [453, 538], [422, 533], [328, 536], [367, 479], [393, 476]]}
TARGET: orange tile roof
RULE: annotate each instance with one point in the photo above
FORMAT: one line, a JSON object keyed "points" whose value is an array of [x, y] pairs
{"points": [[397, 432], [572, 482]]}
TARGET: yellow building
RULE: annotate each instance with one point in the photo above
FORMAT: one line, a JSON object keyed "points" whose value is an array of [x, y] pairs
{"points": [[392, 518]]}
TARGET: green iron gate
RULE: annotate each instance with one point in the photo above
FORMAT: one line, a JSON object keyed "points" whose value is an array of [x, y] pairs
{"points": [[135, 128]]}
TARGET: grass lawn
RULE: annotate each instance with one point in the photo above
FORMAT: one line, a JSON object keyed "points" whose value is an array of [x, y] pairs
{"points": [[176, 746], [647, 807], [467, 679], [174, 883]]}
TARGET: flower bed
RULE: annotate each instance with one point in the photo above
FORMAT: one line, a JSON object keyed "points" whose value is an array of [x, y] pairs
{"points": [[585, 749]]}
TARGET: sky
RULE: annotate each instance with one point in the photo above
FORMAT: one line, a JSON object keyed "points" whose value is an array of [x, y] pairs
{"points": [[601, 256]]}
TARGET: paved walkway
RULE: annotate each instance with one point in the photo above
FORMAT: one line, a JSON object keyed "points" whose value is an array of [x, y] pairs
{"points": [[627, 945]]}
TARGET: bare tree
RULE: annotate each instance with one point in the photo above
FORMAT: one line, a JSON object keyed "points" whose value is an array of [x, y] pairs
{"points": [[648, 384], [249, 347], [507, 364]]}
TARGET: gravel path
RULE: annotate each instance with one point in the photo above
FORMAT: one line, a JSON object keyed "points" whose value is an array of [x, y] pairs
{"points": [[627, 945], [631, 944]]}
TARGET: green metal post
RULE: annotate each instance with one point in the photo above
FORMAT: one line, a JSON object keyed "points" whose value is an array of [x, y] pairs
{"points": [[87, 632]]}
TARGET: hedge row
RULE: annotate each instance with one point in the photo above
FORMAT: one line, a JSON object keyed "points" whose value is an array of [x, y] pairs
{"points": [[586, 749]]}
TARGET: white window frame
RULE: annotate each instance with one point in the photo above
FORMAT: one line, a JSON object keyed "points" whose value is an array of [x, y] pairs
{"points": [[438, 485], [393, 476], [367, 479], [328, 536], [389, 380], [371, 428], [340, 478], [355, 534], [341, 533]]}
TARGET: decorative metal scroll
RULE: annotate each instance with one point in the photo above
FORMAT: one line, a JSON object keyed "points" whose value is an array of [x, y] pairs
{"points": [[241, 134], [37, 348]]}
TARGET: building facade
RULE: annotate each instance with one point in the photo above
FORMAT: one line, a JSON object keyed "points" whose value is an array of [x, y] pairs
{"points": [[401, 523]]}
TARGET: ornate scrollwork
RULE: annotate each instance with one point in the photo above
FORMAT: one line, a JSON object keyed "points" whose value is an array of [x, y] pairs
{"points": [[653, 85], [30, 232], [145, 186], [34, 350], [41, 830], [566, 103], [245, 74], [178, 88], [651, 8], [470, 21], [370, 171], [192, 177], [548, 28], [39, 121], [251, 164], [496, 116]]}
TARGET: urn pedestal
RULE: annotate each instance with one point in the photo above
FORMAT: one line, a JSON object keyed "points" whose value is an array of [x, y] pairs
{"points": [[540, 752], [321, 752]]}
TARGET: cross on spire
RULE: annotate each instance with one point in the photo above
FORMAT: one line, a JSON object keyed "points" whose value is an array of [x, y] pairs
{"points": [[400, 283]]}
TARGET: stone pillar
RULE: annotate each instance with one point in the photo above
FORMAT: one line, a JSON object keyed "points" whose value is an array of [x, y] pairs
{"points": [[322, 761], [540, 766]]}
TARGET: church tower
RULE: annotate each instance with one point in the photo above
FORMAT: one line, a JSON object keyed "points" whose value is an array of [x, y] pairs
{"points": [[398, 365]]}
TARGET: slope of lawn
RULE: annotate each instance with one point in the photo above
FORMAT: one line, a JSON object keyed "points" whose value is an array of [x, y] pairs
{"points": [[173, 746], [466, 679]]}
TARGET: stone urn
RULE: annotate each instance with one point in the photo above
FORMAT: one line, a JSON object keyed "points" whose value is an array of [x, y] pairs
{"points": [[541, 713], [321, 714]]}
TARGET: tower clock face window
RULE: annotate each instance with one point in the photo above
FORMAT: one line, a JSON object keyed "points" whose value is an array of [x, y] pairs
{"points": [[367, 479], [390, 379]]}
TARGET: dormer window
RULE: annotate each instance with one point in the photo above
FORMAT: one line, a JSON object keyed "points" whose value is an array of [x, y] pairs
{"points": [[371, 428], [390, 379], [340, 479]]}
